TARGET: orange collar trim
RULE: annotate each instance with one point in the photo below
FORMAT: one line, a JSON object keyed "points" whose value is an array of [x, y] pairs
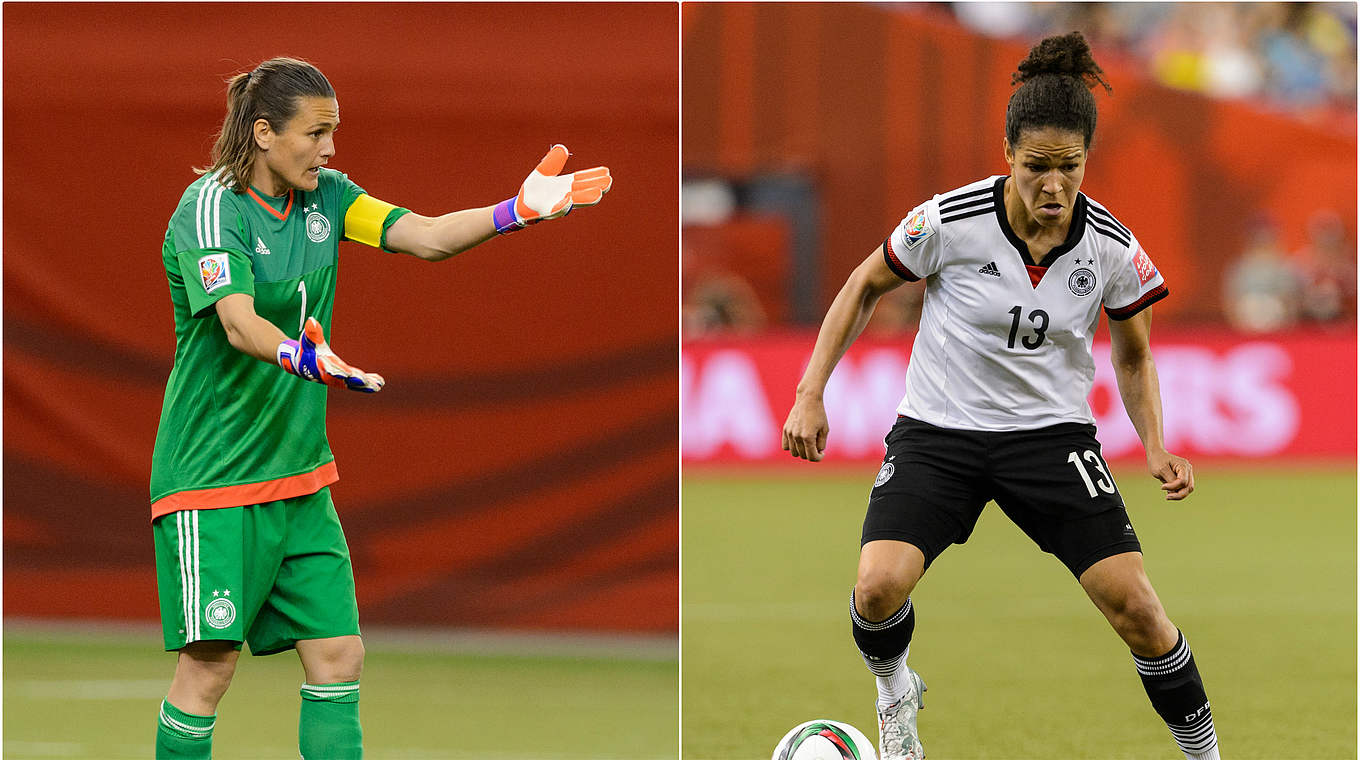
{"points": [[270, 208]]}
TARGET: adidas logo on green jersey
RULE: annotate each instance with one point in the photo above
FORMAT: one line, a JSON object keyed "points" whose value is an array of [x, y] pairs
{"points": [[260, 248]]}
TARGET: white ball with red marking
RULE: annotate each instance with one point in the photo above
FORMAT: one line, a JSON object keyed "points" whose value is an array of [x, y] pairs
{"points": [[824, 740]]}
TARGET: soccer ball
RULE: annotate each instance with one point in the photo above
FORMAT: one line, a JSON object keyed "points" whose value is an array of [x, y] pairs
{"points": [[824, 740]]}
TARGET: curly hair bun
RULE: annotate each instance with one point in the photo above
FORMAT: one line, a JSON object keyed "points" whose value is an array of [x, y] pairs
{"points": [[1065, 55]]}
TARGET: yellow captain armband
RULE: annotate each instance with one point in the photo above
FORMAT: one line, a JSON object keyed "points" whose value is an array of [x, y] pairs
{"points": [[364, 220]]}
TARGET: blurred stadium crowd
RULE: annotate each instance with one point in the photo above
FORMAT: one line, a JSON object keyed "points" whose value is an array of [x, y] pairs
{"points": [[1270, 288], [1294, 60], [1295, 56]]}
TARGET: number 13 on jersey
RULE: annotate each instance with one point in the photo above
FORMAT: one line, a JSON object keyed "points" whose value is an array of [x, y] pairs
{"points": [[1039, 318]]}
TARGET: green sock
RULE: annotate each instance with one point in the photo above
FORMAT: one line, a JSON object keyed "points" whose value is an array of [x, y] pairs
{"points": [[328, 724], [183, 736]]}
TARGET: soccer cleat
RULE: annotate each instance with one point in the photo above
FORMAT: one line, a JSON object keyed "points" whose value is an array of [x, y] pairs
{"points": [[897, 739]]}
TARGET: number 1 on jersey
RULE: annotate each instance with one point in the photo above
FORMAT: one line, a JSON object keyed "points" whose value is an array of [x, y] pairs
{"points": [[302, 318]]}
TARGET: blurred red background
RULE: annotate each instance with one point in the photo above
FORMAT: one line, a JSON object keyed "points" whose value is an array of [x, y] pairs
{"points": [[519, 470], [880, 107]]}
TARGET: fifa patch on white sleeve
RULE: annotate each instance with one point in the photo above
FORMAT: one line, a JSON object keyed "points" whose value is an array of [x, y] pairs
{"points": [[916, 228], [1143, 264], [214, 271]]}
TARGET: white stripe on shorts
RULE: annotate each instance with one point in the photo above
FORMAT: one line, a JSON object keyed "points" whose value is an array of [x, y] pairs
{"points": [[193, 515], [186, 525], [183, 572]]}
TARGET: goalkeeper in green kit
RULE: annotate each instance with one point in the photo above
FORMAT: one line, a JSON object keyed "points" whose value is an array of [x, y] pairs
{"points": [[248, 545]]}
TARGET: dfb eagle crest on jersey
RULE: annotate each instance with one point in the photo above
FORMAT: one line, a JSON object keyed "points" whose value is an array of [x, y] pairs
{"points": [[885, 474], [1082, 282], [318, 227]]}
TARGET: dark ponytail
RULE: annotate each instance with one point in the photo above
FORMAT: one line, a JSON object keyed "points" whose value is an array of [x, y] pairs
{"points": [[1055, 81], [270, 92]]}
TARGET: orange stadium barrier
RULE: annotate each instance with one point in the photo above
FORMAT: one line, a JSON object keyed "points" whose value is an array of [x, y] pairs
{"points": [[883, 109], [519, 470]]}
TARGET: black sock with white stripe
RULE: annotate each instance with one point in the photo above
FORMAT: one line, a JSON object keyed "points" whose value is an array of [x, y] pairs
{"points": [[884, 646], [1177, 694]]}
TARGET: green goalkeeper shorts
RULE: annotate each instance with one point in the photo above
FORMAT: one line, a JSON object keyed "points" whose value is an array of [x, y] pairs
{"points": [[268, 574]]}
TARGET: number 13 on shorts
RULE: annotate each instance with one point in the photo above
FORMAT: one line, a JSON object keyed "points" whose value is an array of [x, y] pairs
{"points": [[1102, 479]]}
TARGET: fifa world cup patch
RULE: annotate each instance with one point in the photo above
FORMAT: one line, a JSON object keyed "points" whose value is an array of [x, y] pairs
{"points": [[917, 228], [1144, 266], [214, 271]]}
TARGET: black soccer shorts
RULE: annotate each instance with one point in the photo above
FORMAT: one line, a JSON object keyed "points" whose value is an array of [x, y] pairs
{"points": [[1051, 482]]}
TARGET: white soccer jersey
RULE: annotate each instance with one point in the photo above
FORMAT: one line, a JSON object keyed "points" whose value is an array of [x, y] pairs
{"points": [[1005, 344]]}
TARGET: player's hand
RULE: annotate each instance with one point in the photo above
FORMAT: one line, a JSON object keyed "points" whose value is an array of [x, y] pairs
{"points": [[311, 358], [805, 430], [546, 195], [1176, 474]]}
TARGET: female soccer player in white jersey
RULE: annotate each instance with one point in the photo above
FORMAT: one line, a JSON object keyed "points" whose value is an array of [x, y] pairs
{"points": [[1017, 270], [248, 544]]}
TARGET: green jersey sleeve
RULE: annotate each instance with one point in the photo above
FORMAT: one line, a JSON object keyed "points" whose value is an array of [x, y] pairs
{"points": [[211, 274], [208, 238]]}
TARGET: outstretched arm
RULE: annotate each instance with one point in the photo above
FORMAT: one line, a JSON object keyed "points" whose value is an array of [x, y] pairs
{"points": [[1131, 356], [545, 194], [806, 428], [437, 238], [308, 357]]}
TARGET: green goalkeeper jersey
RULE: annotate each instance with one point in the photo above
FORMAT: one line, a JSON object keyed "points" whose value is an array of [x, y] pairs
{"points": [[235, 430]]}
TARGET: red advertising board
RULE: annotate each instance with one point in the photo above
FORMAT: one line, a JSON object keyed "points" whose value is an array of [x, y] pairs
{"points": [[1224, 395]]}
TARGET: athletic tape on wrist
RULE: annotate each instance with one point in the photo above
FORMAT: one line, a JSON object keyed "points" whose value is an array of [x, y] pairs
{"points": [[503, 217], [287, 354]]}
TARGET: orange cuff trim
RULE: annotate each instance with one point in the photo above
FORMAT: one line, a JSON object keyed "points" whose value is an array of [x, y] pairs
{"points": [[247, 494]]}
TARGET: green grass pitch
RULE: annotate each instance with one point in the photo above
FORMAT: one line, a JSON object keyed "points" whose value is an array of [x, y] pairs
{"points": [[1258, 568], [96, 697]]}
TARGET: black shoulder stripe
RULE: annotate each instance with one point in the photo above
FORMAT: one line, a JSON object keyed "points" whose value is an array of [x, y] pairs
{"points": [[965, 196], [1102, 228], [1108, 217], [964, 205], [989, 208]]}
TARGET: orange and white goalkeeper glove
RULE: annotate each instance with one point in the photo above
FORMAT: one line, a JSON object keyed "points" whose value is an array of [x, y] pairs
{"points": [[546, 195], [311, 358]]}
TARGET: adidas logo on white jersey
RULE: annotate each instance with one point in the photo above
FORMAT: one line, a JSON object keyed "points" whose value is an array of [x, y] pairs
{"points": [[260, 248], [990, 269]]}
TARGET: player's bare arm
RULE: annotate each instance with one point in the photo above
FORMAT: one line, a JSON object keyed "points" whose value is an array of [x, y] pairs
{"points": [[247, 331], [1136, 373], [441, 237], [545, 194], [806, 428]]}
